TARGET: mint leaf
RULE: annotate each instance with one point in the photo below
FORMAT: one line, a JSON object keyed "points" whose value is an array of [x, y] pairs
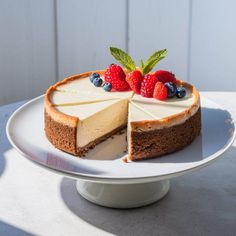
{"points": [[153, 60], [123, 58], [142, 64]]}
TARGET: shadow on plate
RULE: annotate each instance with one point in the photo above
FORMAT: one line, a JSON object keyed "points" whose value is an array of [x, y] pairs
{"points": [[217, 130], [61, 162], [111, 149]]}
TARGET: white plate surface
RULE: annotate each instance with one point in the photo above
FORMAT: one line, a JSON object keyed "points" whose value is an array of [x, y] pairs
{"points": [[25, 130]]}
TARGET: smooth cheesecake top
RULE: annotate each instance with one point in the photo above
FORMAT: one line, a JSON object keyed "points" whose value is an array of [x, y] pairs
{"points": [[162, 114], [81, 85], [76, 98]]}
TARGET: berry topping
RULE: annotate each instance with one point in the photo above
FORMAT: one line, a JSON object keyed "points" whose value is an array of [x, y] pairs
{"points": [[181, 92], [97, 81], [147, 85], [171, 89], [93, 76], [165, 76], [115, 75], [160, 91], [134, 80], [107, 86]]}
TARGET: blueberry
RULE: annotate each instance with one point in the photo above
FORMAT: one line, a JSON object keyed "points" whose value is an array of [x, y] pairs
{"points": [[107, 86], [171, 89], [93, 76], [181, 92], [97, 81]]}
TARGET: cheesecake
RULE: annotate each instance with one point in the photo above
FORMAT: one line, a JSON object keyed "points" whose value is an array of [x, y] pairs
{"points": [[79, 116]]}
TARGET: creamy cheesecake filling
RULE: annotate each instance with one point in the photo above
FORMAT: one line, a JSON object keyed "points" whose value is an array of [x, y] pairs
{"points": [[97, 120], [156, 110], [100, 112], [102, 123]]}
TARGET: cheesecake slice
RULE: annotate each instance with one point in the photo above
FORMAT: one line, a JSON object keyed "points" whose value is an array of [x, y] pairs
{"points": [[82, 127], [156, 128], [78, 116]]}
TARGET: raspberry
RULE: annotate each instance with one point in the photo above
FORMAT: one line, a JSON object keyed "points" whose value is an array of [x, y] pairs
{"points": [[134, 80], [119, 85], [115, 75], [165, 76], [160, 91], [148, 84]]}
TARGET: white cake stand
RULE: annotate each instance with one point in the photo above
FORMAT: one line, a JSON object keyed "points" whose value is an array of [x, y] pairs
{"points": [[102, 176]]}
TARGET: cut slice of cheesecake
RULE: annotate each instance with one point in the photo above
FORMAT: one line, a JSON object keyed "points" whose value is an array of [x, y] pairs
{"points": [[97, 121], [156, 128], [84, 126], [79, 115]]}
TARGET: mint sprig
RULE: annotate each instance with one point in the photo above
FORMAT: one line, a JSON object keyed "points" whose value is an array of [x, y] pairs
{"points": [[152, 61], [123, 58]]}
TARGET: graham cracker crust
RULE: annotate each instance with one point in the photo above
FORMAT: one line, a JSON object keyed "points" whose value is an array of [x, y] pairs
{"points": [[155, 143], [64, 137]]}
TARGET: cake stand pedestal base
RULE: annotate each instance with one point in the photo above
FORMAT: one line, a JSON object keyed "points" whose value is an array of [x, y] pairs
{"points": [[123, 195]]}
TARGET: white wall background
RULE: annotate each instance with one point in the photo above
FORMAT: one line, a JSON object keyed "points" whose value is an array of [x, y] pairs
{"points": [[44, 41]]}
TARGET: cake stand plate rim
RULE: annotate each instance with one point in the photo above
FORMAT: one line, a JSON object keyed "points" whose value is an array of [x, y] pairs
{"points": [[105, 179]]}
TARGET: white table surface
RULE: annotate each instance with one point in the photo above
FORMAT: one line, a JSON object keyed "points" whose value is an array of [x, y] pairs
{"points": [[35, 201]]}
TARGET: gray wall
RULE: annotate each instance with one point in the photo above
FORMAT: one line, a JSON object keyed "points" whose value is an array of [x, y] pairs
{"points": [[44, 41]]}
